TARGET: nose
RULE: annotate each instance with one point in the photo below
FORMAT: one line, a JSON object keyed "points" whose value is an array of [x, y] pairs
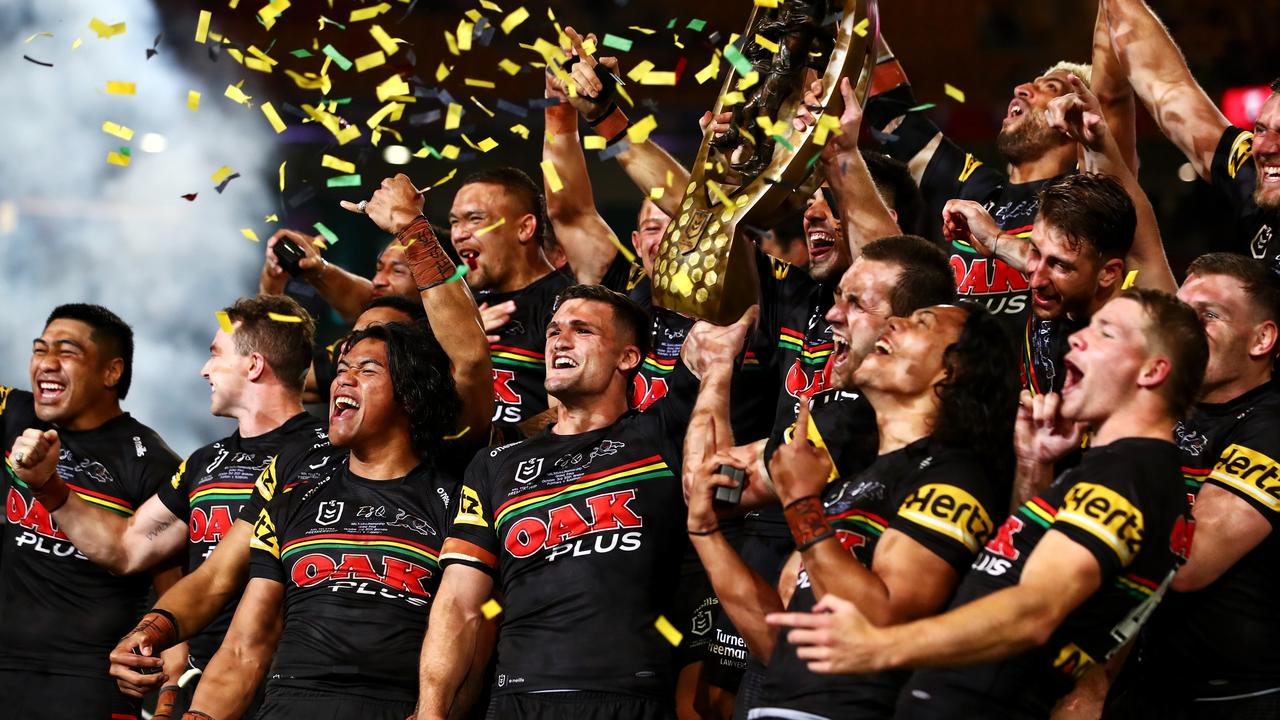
{"points": [[204, 371], [894, 324], [835, 315], [1036, 274], [380, 280], [1077, 339], [1025, 91]]}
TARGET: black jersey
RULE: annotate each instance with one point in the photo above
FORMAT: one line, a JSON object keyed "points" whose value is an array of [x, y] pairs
{"points": [[804, 345], [211, 488], [941, 498], [583, 535], [1235, 175], [62, 613], [359, 561], [519, 363], [1126, 505], [1223, 640], [1044, 346]]}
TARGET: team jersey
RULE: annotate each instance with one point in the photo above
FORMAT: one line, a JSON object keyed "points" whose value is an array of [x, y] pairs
{"points": [[1125, 504], [1223, 640], [62, 613], [211, 488], [841, 422], [1044, 346], [1235, 175], [359, 561], [583, 535], [954, 173], [519, 363], [941, 498]]}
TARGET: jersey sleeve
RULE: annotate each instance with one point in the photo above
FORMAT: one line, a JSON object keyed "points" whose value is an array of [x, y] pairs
{"points": [[264, 545], [618, 276], [948, 509], [473, 536], [176, 493], [1103, 513], [1233, 173], [1249, 470], [843, 424], [954, 173], [783, 288], [264, 489]]}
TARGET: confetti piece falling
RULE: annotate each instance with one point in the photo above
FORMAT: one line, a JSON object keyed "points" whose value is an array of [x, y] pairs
{"points": [[512, 21], [457, 436], [737, 60], [119, 131], [193, 100], [33, 36], [28, 58], [224, 320], [553, 178], [273, 117], [370, 61], [490, 228], [384, 40], [491, 609], [696, 25], [221, 174], [338, 164], [104, 30], [337, 57], [76, 44], [223, 185], [281, 317], [487, 144], [249, 233], [328, 234], [472, 82], [237, 95], [953, 92], [668, 630], [117, 158], [202, 26], [282, 175], [190, 197], [639, 132], [449, 176], [368, 13], [120, 87], [922, 107], [509, 67], [343, 181], [453, 116], [1129, 280], [620, 44], [391, 87], [271, 218], [594, 142]]}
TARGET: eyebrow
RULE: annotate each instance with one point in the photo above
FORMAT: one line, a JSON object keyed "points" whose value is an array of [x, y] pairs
{"points": [[64, 341], [360, 363]]}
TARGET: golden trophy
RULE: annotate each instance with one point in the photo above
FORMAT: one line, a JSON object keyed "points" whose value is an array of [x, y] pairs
{"points": [[704, 268]]}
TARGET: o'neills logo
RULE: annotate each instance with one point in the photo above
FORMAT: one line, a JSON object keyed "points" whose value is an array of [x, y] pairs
{"points": [[1107, 515], [605, 513], [977, 276]]}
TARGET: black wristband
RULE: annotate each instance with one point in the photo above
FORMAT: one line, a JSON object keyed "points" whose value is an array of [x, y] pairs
{"points": [[704, 533], [604, 115], [608, 85]]}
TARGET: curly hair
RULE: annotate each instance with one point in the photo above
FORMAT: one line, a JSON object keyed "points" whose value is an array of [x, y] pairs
{"points": [[980, 391], [420, 381]]}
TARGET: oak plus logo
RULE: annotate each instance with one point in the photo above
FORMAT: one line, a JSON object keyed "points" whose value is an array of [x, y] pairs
{"points": [[568, 531]]}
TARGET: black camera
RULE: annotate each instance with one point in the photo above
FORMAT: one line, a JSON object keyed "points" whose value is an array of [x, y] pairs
{"points": [[288, 254]]}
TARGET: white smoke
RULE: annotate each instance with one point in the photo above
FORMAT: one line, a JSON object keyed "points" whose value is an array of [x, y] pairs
{"points": [[76, 229]]}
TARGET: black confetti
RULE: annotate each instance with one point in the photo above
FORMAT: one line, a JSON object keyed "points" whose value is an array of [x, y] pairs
{"points": [[883, 137], [223, 185], [613, 151], [424, 118], [190, 197], [301, 196], [153, 51], [514, 109], [28, 58]]}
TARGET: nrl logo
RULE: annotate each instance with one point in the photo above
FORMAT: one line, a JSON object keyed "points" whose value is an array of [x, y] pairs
{"points": [[330, 512], [528, 470]]}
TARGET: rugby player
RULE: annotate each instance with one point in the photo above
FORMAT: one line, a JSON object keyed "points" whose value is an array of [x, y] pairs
{"points": [[71, 443], [1072, 574]]}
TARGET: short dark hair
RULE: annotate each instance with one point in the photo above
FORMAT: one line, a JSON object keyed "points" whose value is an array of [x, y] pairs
{"points": [[520, 186], [1175, 330], [926, 278], [412, 308], [112, 335], [1261, 283], [894, 183], [285, 344], [1093, 209], [1275, 85], [420, 381], [979, 394], [626, 311]]}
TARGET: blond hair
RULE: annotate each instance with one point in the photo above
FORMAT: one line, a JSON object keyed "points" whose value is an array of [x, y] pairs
{"points": [[1082, 71]]}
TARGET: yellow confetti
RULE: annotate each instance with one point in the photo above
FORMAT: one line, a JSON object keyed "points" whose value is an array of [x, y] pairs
{"points": [[446, 178], [862, 27], [472, 82], [119, 131], [668, 630], [732, 98], [384, 40], [748, 80], [465, 30], [393, 110], [279, 317], [487, 144], [202, 26], [237, 95], [370, 61], [656, 193], [104, 30], [642, 30], [116, 158], [953, 92], [271, 11], [453, 116], [521, 130], [392, 86], [273, 117], [490, 228], [338, 164], [765, 4], [77, 43], [473, 15], [36, 35], [826, 125], [594, 142], [480, 105], [451, 43], [271, 218], [254, 51], [553, 178], [715, 190], [491, 7], [641, 69], [442, 72], [221, 174], [491, 609], [282, 175], [512, 21], [659, 78], [120, 87], [368, 13], [1129, 279], [766, 124], [509, 67], [639, 132], [710, 71], [767, 44], [193, 100], [249, 233], [224, 320], [450, 152]]}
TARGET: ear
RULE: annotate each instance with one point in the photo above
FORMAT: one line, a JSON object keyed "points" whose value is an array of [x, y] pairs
{"points": [[112, 373], [1263, 343], [630, 359], [1154, 372], [526, 226], [257, 367], [1110, 273], [894, 214]]}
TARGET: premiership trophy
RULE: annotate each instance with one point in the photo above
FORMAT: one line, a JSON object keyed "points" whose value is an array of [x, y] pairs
{"points": [[704, 268]]}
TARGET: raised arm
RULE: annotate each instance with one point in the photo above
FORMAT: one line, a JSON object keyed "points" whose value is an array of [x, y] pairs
{"points": [[1110, 84], [346, 293], [452, 639], [122, 545], [891, 97], [228, 683], [1159, 75]]}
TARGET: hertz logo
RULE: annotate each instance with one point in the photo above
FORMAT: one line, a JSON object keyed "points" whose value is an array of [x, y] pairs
{"points": [[177, 476], [1241, 151], [264, 534], [266, 482], [951, 511], [470, 511], [971, 163], [1250, 472], [1105, 514]]}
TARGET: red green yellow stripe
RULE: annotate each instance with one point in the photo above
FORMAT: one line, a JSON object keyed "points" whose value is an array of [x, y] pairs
{"points": [[860, 518], [342, 541], [221, 491], [651, 467], [1039, 511], [114, 504]]}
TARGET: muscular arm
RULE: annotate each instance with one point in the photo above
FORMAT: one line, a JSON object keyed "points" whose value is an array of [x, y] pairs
{"points": [[1227, 528], [452, 639], [455, 321], [198, 598], [647, 165], [1160, 77], [346, 292], [1110, 84], [864, 216], [122, 545], [743, 594], [906, 581], [228, 684], [578, 225]]}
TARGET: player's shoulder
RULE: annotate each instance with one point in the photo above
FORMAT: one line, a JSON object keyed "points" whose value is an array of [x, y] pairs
{"points": [[1235, 150], [147, 447]]}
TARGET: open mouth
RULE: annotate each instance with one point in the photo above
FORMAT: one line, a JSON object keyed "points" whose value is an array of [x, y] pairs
{"points": [[883, 347], [470, 257], [50, 391], [1016, 109], [820, 243], [562, 362], [1042, 300], [1073, 375], [841, 352], [344, 406]]}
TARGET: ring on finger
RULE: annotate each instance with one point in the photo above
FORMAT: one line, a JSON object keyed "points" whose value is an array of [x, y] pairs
{"points": [[360, 206]]}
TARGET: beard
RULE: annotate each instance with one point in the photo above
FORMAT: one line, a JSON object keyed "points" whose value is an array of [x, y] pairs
{"points": [[1028, 140], [1266, 198]]}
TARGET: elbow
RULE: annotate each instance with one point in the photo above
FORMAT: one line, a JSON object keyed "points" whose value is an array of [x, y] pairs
{"points": [[1189, 580], [1039, 626]]}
